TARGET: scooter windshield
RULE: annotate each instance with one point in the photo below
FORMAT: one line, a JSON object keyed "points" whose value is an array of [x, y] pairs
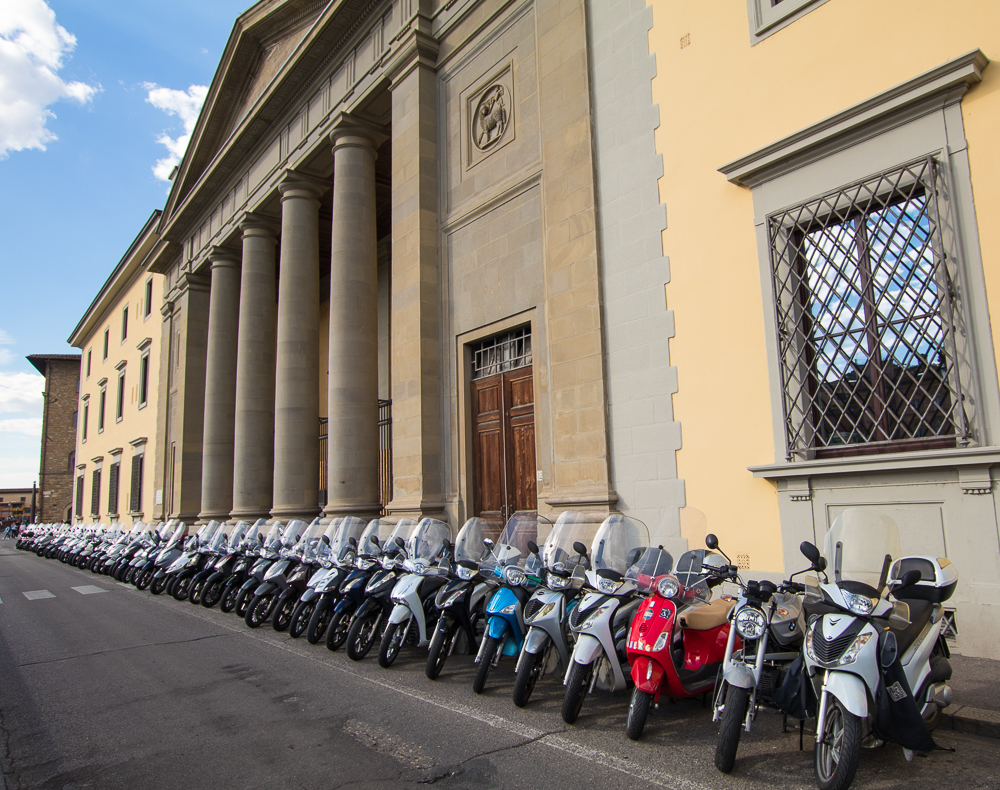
{"points": [[350, 527], [272, 541], [236, 536], [690, 567], [293, 531], [167, 530], [619, 542], [310, 540], [366, 546], [858, 545], [207, 532], [219, 540], [253, 538], [571, 527], [511, 548], [427, 540], [654, 561], [470, 544]]}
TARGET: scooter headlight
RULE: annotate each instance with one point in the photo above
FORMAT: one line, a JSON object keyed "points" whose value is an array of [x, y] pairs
{"points": [[668, 587], [509, 609], [592, 618], [851, 655], [750, 623], [608, 586], [557, 582], [859, 604], [661, 642], [540, 613], [465, 574], [514, 576]]}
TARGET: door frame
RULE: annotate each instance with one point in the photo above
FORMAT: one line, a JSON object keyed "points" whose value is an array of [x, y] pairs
{"points": [[463, 357]]}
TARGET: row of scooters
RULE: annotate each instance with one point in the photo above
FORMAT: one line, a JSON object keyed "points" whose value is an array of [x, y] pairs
{"points": [[857, 645]]}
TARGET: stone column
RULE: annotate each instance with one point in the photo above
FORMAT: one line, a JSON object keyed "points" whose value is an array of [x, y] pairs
{"points": [[220, 386], [296, 391], [352, 389], [254, 438]]}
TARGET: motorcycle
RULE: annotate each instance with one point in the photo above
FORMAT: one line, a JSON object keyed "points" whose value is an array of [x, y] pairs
{"points": [[515, 572], [678, 637], [460, 603], [884, 640], [414, 592], [548, 643], [602, 619], [369, 620], [275, 581]]}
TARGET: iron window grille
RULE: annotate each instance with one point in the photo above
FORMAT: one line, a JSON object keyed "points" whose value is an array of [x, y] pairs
{"points": [[864, 305], [502, 353]]}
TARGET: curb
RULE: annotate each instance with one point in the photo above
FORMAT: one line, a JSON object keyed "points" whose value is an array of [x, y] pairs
{"points": [[972, 721]]}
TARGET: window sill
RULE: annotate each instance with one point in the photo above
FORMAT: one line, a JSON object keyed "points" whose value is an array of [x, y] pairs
{"points": [[890, 462]]}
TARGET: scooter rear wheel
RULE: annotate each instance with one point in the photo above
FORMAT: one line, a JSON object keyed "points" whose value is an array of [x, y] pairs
{"points": [[733, 716], [527, 675], [576, 690], [485, 664], [361, 635], [637, 713]]}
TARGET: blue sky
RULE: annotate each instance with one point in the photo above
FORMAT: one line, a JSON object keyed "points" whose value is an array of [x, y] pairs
{"points": [[104, 86]]}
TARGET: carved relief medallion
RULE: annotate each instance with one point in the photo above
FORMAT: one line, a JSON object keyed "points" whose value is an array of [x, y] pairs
{"points": [[491, 117]]}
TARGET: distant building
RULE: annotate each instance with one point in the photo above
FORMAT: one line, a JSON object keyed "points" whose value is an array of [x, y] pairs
{"points": [[116, 429], [15, 503], [59, 418]]}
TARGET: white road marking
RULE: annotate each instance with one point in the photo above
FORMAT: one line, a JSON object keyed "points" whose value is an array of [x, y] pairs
{"points": [[89, 589], [34, 595]]}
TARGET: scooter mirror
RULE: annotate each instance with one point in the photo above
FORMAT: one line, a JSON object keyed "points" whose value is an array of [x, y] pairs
{"points": [[580, 548], [399, 542], [809, 551], [353, 541], [374, 539], [711, 541], [820, 564], [533, 547]]}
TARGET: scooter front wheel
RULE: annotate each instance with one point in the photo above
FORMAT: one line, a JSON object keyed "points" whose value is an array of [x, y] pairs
{"points": [[361, 635], [733, 716], [181, 588], [527, 675], [637, 713], [211, 594], [159, 584], [229, 594], [338, 630], [243, 600], [836, 758], [392, 641], [576, 690], [441, 644], [485, 664], [300, 618], [283, 612], [194, 594], [318, 621], [144, 579], [259, 610]]}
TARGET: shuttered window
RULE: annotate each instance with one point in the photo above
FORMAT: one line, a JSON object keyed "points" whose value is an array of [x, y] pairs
{"points": [[95, 494], [135, 501], [113, 475], [79, 495]]}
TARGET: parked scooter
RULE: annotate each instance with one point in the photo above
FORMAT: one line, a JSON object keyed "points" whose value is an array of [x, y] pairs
{"points": [[224, 568], [461, 603], [209, 554], [517, 571], [414, 616], [193, 560], [265, 597], [147, 557], [549, 641], [602, 619], [866, 658], [267, 553], [679, 635], [321, 588], [166, 557]]}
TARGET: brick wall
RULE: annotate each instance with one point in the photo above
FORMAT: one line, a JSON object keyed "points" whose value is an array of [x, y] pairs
{"points": [[58, 439]]}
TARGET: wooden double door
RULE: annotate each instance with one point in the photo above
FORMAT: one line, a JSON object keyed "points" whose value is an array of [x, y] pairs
{"points": [[503, 426]]}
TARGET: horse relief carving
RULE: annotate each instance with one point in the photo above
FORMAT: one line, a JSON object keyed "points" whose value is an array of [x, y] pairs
{"points": [[491, 117]]}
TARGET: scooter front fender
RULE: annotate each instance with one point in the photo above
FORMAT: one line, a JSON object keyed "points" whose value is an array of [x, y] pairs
{"points": [[587, 650], [400, 614], [535, 641], [647, 674], [266, 588], [850, 690], [310, 594]]}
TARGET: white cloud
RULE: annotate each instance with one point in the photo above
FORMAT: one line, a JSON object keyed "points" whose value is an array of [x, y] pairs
{"points": [[21, 392], [19, 471], [32, 50], [31, 426], [5, 339], [185, 105]]}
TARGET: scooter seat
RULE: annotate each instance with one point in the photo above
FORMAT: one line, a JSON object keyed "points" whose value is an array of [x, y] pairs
{"points": [[707, 617]]}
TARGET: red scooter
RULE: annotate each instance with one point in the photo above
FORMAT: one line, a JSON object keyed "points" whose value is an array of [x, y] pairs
{"points": [[678, 637]]}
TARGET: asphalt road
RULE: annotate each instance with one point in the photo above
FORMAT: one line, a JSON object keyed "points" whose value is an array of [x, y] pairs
{"points": [[123, 689]]}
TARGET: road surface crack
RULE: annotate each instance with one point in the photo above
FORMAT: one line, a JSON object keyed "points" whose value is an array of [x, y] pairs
{"points": [[121, 650]]}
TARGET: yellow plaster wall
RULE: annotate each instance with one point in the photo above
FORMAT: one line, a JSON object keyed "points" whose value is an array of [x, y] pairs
{"points": [[719, 99]]}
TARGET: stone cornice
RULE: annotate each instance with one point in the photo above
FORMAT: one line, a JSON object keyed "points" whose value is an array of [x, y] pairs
{"points": [[416, 49]]}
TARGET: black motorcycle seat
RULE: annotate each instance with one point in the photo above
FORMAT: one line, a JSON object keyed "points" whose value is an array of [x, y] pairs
{"points": [[920, 615]]}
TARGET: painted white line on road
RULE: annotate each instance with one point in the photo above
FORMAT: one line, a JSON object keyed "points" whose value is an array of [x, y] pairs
{"points": [[89, 589], [122, 584], [35, 595], [542, 737]]}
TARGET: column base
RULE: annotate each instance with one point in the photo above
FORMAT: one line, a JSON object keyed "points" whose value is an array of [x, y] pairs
{"points": [[249, 515], [204, 518], [288, 512], [360, 509], [417, 509]]}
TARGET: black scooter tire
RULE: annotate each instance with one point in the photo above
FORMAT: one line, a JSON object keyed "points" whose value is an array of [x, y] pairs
{"points": [[362, 635], [528, 673], [194, 594], [389, 647], [212, 592], [300, 618], [243, 600], [441, 644], [181, 588], [259, 610], [576, 691], [318, 621], [145, 579], [638, 712], [338, 631], [159, 584], [281, 619], [485, 664], [733, 716], [229, 594]]}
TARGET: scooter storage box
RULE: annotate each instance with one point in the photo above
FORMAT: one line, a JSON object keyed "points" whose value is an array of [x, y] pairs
{"points": [[938, 578]]}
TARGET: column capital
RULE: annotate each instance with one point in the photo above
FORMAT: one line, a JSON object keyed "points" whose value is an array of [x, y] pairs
{"points": [[417, 49], [259, 225], [223, 257], [350, 130], [299, 185], [191, 281]]}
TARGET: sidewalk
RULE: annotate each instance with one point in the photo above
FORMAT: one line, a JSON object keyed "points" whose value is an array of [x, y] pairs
{"points": [[975, 708]]}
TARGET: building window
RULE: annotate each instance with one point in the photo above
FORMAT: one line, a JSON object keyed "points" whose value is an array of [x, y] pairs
{"points": [[865, 324], [769, 16], [113, 473], [88, 362], [149, 298], [124, 323], [102, 402], [120, 404], [79, 496], [107, 337], [143, 380], [95, 494], [502, 353], [86, 416], [135, 500]]}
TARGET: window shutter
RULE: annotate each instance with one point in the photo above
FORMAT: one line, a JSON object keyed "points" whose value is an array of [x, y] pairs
{"points": [[95, 494], [79, 496], [113, 476], [135, 503]]}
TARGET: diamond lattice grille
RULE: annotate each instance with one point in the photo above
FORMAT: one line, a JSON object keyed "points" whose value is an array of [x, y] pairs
{"points": [[863, 302]]}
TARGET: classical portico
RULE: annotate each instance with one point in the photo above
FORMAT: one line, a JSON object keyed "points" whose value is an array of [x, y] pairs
{"points": [[384, 234]]}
